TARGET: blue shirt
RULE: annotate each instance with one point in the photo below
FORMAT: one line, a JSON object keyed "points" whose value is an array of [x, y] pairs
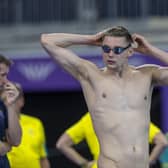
{"points": [[3, 126]]}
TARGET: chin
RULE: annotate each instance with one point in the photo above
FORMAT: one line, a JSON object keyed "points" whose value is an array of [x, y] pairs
{"points": [[112, 66]]}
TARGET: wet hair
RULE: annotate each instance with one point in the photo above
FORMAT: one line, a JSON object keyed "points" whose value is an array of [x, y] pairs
{"points": [[6, 61], [119, 31]]}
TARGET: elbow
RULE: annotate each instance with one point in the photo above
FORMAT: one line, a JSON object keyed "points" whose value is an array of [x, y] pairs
{"points": [[17, 141], [165, 144], [161, 140], [63, 143], [43, 39], [59, 145]]}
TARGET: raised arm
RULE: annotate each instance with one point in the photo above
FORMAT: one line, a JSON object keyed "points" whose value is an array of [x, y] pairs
{"points": [[144, 47], [13, 132], [55, 44], [159, 73]]}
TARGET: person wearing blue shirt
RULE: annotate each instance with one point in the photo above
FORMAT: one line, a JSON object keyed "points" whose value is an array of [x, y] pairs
{"points": [[10, 130]]}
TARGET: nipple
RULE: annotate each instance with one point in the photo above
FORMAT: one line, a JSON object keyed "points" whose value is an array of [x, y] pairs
{"points": [[104, 95], [134, 149]]}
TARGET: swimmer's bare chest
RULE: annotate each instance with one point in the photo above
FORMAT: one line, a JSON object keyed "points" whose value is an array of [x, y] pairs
{"points": [[119, 93], [120, 100]]}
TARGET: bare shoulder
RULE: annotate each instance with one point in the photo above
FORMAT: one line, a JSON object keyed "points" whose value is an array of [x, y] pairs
{"points": [[157, 73], [148, 67], [87, 69], [88, 65]]}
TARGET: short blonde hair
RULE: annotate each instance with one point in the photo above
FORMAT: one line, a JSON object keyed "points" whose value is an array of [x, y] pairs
{"points": [[119, 31]]}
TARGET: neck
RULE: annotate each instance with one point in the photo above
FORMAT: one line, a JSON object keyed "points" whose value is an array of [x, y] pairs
{"points": [[119, 71]]}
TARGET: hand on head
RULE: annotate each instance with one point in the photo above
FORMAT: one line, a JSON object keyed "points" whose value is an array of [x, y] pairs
{"points": [[140, 44], [98, 37]]}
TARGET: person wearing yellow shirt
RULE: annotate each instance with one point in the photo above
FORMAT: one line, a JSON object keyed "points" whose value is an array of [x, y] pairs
{"points": [[159, 140], [31, 153], [83, 130]]}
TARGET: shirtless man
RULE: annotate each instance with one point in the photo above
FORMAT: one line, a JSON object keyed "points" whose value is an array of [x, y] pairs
{"points": [[118, 97]]}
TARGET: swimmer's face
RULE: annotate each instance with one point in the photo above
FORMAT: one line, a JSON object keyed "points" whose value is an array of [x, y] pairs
{"points": [[116, 51]]}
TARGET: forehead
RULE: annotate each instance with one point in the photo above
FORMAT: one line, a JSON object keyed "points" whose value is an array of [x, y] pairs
{"points": [[115, 41], [4, 68]]}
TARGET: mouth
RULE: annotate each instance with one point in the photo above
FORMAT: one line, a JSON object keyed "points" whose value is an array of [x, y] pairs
{"points": [[111, 62]]}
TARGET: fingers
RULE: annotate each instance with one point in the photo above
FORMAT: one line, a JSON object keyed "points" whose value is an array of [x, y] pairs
{"points": [[98, 38], [10, 89], [134, 45], [10, 92], [9, 85], [102, 33], [139, 40], [106, 30], [137, 37]]}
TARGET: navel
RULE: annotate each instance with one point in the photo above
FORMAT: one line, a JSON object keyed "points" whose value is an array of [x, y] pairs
{"points": [[104, 95], [134, 149], [145, 98]]}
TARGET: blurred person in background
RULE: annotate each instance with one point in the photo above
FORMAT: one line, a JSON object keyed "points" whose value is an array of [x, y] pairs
{"points": [[83, 130], [164, 157], [80, 131], [119, 97], [159, 142], [10, 130], [31, 153]]}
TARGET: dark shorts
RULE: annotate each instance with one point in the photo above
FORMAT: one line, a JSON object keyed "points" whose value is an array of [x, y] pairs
{"points": [[4, 163]]}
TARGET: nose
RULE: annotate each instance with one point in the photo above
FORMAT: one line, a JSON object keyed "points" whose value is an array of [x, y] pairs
{"points": [[5, 80], [111, 54]]}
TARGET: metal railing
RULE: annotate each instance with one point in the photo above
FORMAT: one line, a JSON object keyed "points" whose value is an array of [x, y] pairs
{"points": [[39, 11]]}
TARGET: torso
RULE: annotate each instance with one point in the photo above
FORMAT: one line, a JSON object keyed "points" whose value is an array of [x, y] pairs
{"points": [[120, 112]]}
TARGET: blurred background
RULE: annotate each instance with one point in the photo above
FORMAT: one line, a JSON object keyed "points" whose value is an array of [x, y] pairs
{"points": [[51, 94]]}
